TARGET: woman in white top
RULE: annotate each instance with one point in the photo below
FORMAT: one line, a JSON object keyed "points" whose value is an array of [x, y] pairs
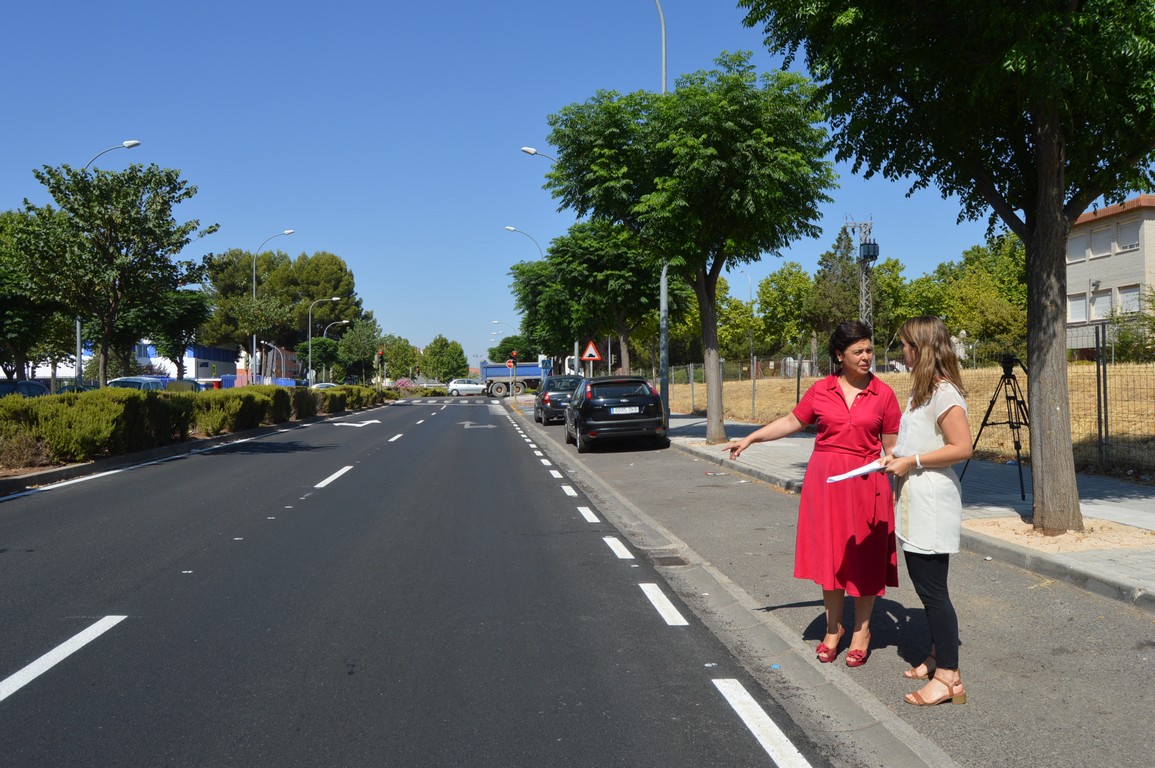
{"points": [[933, 435]]}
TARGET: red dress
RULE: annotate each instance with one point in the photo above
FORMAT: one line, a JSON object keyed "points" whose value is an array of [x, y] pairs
{"points": [[846, 529]]}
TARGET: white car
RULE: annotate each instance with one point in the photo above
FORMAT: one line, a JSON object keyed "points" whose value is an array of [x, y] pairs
{"points": [[465, 387]]}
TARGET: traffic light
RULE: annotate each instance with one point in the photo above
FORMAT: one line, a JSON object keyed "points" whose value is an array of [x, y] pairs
{"points": [[380, 357], [513, 354]]}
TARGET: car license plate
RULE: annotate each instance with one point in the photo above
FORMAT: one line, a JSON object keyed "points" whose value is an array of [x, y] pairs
{"points": [[624, 409]]}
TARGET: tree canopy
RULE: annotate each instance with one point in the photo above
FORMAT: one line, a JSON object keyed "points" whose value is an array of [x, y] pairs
{"points": [[109, 253], [722, 169], [1028, 112]]}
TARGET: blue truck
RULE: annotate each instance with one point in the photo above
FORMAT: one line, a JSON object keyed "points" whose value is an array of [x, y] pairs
{"points": [[500, 378]]}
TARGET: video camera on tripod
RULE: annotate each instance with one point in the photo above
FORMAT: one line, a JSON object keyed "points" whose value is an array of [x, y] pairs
{"points": [[1018, 415]]}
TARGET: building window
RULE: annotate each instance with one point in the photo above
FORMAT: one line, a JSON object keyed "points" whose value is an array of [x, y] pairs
{"points": [[1100, 305], [1129, 299], [1101, 242], [1077, 308], [1129, 235], [1076, 248]]}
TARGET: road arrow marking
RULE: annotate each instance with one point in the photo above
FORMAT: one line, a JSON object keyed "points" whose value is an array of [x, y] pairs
{"points": [[354, 423], [471, 425]]}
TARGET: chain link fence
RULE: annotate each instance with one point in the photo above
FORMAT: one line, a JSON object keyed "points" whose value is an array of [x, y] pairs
{"points": [[1111, 384]]}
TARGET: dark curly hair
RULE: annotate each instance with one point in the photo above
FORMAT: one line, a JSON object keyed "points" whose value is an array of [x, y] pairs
{"points": [[850, 332]]}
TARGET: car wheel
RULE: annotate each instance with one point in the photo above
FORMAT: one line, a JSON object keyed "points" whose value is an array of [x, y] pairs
{"points": [[583, 444], [453, 392], [537, 416], [661, 441], [568, 436]]}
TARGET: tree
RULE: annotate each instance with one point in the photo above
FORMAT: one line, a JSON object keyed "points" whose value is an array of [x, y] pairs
{"points": [[23, 308], [357, 347], [782, 297], [834, 297], [400, 356], [444, 360], [323, 353], [178, 316], [1028, 112], [722, 169], [111, 254], [548, 311]]}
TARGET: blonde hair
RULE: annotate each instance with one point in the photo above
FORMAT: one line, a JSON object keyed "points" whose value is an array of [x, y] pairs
{"points": [[934, 357]]}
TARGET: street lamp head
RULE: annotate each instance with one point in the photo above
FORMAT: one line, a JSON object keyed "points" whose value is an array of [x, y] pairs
{"points": [[288, 231], [130, 144], [529, 150], [512, 229], [335, 298]]}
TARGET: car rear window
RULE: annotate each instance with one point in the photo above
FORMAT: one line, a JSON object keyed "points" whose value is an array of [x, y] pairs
{"points": [[561, 385], [621, 389]]}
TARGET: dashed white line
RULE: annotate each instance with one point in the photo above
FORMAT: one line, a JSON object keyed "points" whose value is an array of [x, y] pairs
{"points": [[395, 437], [421, 421], [663, 605], [58, 654], [781, 750], [332, 477], [618, 548], [569, 491], [588, 514], [555, 474]]}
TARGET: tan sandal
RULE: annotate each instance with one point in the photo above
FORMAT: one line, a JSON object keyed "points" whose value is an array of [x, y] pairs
{"points": [[927, 667], [955, 693]]}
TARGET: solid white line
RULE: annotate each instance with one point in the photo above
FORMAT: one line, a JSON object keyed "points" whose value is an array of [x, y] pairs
{"points": [[56, 655], [395, 437], [589, 515], [569, 491], [618, 548], [781, 750], [332, 477], [663, 605]]}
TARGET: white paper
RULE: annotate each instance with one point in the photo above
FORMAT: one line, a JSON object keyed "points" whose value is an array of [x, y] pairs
{"points": [[866, 469]]}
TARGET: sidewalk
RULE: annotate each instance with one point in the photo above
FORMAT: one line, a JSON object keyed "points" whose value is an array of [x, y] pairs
{"points": [[990, 490]]}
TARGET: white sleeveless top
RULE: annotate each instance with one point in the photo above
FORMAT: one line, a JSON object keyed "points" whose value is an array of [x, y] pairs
{"points": [[928, 508]]}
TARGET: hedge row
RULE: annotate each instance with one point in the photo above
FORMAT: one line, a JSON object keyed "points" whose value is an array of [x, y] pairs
{"points": [[82, 426]]}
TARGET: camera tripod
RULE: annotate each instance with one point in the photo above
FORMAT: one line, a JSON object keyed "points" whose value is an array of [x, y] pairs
{"points": [[1018, 416]]}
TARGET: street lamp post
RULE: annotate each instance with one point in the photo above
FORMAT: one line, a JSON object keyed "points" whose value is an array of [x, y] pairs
{"points": [[522, 231], [325, 335], [513, 368], [309, 372], [663, 285], [252, 358], [79, 343]]}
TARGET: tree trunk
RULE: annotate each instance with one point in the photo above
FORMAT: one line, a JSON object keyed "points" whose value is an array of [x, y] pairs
{"points": [[708, 310], [1056, 494]]}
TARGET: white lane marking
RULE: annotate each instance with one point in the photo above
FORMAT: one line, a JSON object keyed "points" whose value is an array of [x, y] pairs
{"points": [[781, 750], [539, 453], [588, 514], [332, 477], [569, 491], [555, 474], [421, 421], [395, 437], [618, 548], [58, 654], [663, 605]]}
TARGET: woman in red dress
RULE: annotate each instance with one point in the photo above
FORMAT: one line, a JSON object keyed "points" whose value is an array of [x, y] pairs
{"points": [[845, 540]]}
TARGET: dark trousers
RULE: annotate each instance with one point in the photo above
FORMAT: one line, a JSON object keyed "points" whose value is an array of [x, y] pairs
{"points": [[928, 573]]}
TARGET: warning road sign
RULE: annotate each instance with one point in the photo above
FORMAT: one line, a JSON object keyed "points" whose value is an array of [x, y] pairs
{"points": [[591, 353]]}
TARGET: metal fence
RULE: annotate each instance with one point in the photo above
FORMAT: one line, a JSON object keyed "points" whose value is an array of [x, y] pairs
{"points": [[1111, 383]]}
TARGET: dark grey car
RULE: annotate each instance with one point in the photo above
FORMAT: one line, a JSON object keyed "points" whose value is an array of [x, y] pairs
{"points": [[553, 397], [612, 407], [25, 387]]}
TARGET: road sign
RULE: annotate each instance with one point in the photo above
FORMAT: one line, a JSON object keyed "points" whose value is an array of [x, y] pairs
{"points": [[509, 364], [591, 353]]}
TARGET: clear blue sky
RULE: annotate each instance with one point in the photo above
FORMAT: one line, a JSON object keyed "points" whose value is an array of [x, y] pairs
{"points": [[386, 133]]}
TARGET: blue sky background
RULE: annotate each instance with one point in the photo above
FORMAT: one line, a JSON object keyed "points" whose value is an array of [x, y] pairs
{"points": [[386, 133]]}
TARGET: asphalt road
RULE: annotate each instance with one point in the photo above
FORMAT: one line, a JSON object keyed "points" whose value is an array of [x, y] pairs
{"points": [[1056, 676], [417, 585]]}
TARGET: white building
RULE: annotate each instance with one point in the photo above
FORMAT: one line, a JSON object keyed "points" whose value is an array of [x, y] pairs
{"points": [[1110, 265]]}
